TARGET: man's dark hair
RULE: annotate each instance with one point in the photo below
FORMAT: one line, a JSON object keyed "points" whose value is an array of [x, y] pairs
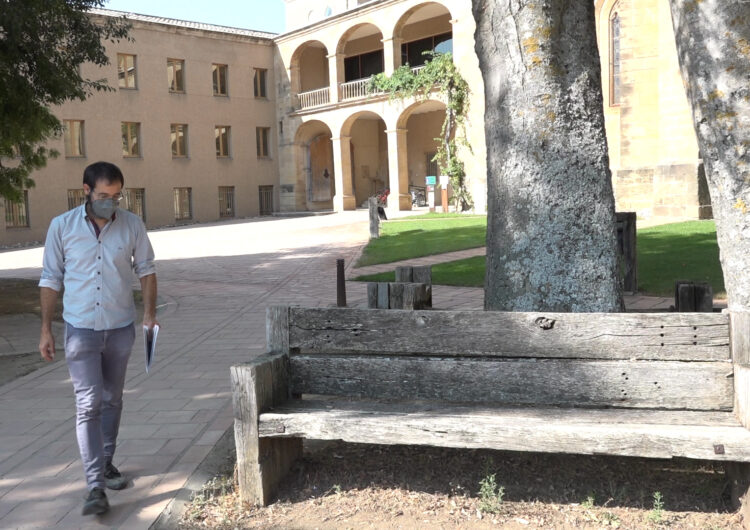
{"points": [[105, 171]]}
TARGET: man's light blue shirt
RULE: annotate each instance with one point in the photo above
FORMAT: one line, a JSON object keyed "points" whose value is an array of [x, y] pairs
{"points": [[97, 272]]}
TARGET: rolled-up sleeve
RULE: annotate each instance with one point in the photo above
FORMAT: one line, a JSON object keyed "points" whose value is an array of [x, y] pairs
{"points": [[53, 263], [143, 254]]}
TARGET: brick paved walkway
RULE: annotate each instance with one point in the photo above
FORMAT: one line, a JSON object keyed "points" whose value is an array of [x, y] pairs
{"points": [[215, 283]]}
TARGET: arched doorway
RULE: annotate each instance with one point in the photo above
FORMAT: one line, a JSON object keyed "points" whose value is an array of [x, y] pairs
{"points": [[365, 134], [308, 71], [423, 122], [424, 27], [315, 165], [360, 50]]}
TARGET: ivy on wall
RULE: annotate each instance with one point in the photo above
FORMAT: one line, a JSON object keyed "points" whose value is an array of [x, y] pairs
{"points": [[439, 73]]}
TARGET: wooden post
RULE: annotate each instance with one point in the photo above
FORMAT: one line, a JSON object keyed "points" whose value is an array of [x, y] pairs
{"points": [[372, 295], [372, 203], [383, 296], [693, 297], [422, 275], [404, 274], [340, 284], [261, 462], [396, 295], [738, 474], [626, 239]]}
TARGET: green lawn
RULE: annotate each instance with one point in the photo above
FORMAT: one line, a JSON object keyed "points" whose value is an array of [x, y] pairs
{"points": [[680, 251], [424, 235]]}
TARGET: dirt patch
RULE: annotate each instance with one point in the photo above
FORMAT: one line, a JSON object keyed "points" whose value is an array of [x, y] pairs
{"points": [[19, 296], [371, 486], [14, 366]]}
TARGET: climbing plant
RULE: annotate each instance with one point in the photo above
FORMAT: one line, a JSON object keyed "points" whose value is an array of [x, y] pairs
{"points": [[439, 73]]}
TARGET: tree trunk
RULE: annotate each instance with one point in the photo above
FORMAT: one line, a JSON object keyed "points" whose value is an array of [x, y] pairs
{"points": [[551, 240], [713, 46]]}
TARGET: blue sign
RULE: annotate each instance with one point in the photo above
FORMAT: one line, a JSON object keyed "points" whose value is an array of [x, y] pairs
{"points": [[430, 181]]}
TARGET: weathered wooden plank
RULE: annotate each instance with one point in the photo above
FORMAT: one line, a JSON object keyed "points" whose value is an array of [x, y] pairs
{"points": [[261, 463], [396, 293], [422, 274], [383, 296], [740, 336], [658, 336], [416, 296], [277, 329], [552, 430], [642, 384], [404, 274], [372, 295], [742, 393]]}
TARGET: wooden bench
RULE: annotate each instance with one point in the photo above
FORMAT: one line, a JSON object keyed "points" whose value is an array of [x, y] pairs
{"points": [[650, 385]]}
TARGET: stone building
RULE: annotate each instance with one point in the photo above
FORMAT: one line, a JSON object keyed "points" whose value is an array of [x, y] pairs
{"points": [[209, 122]]}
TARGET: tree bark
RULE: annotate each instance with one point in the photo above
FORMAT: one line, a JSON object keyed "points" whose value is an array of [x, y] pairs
{"points": [[551, 239], [713, 46]]}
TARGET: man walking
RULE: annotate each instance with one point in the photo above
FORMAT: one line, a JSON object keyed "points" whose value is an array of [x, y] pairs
{"points": [[92, 251]]}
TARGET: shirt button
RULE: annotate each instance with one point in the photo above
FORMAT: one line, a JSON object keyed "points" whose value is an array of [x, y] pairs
{"points": [[98, 272], [98, 257], [98, 288], [97, 303]]}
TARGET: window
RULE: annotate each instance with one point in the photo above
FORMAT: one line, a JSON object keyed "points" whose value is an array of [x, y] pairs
{"points": [[614, 55], [261, 141], [179, 140], [363, 66], [265, 199], [259, 82], [130, 139], [126, 70], [220, 72], [222, 140], [176, 75], [73, 138], [17, 213], [76, 198], [226, 201], [183, 204], [413, 52], [135, 201]]}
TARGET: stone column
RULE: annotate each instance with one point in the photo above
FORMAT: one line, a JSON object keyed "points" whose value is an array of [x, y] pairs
{"points": [[391, 54], [398, 171], [342, 173], [295, 84], [335, 75]]}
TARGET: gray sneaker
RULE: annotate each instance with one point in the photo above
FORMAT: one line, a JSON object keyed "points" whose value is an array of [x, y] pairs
{"points": [[96, 502], [113, 478]]}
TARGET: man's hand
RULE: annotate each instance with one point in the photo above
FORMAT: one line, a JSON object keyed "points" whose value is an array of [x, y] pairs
{"points": [[47, 345], [150, 321], [47, 300]]}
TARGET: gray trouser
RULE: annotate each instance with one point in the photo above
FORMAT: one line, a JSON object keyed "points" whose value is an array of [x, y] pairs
{"points": [[97, 362]]}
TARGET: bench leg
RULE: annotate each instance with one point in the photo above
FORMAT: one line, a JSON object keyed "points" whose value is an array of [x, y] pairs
{"points": [[259, 477], [261, 462], [738, 475]]}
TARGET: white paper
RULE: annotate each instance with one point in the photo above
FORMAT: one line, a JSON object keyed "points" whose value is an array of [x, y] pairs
{"points": [[149, 339]]}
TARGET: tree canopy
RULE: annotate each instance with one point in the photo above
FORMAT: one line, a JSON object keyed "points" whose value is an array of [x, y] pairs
{"points": [[42, 45]]}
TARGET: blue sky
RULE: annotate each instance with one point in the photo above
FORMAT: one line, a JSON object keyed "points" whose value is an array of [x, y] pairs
{"points": [[262, 15]]}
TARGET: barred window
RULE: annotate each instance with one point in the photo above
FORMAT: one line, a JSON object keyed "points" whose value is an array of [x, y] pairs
{"points": [[183, 204], [179, 140], [76, 198], [220, 74], [135, 201], [261, 141], [176, 75], [614, 55], [259, 82], [17, 213], [126, 70], [73, 136], [226, 201], [131, 133], [222, 132]]}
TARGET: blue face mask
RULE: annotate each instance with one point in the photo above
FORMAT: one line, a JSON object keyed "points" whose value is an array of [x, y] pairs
{"points": [[104, 208]]}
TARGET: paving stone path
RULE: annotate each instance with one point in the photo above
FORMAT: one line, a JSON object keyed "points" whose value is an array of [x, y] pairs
{"points": [[215, 282]]}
